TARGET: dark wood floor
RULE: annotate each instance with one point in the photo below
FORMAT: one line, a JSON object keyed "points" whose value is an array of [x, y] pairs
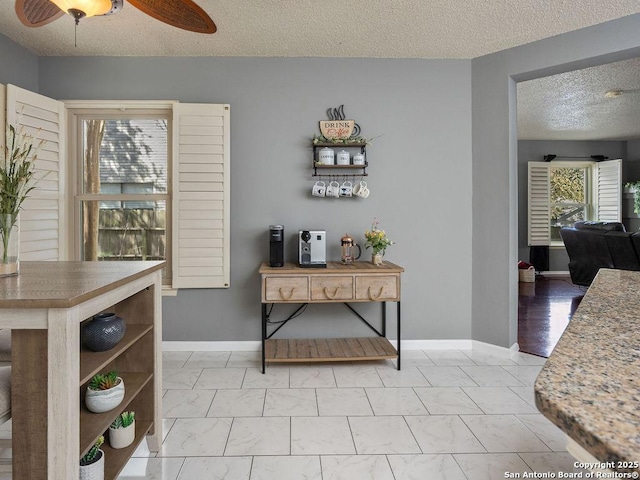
{"points": [[544, 310]]}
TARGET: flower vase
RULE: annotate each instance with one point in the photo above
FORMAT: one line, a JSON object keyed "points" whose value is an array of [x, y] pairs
{"points": [[9, 244], [376, 258]]}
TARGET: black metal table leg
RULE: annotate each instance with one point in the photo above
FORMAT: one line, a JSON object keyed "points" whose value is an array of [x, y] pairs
{"points": [[264, 332], [384, 319], [398, 334]]}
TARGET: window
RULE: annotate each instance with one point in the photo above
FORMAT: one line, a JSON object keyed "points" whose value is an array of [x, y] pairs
{"points": [[568, 197], [182, 201], [158, 185], [123, 198], [562, 193], [151, 182]]}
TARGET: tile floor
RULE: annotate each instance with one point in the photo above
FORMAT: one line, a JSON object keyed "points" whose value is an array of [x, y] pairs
{"points": [[446, 415]]}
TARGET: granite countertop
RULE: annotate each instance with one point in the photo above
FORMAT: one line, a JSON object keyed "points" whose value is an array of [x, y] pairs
{"points": [[589, 386]]}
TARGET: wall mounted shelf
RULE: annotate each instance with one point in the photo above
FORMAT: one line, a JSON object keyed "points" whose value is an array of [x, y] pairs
{"points": [[328, 170]]}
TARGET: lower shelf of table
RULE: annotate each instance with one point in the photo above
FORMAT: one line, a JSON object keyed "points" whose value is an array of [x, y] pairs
{"points": [[328, 349]]}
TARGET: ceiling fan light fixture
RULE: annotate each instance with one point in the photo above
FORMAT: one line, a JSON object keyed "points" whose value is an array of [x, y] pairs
{"points": [[83, 8]]}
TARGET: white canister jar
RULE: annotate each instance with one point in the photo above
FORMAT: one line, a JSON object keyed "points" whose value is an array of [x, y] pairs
{"points": [[325, 156], [343, 157], [358, 159]]}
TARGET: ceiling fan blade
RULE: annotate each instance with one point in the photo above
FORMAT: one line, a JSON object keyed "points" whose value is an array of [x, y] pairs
{"points": [[183, 14], [36, 13]]}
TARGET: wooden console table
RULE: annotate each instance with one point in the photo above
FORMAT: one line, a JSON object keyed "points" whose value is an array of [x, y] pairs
{"points": [[44, 306], [338, 283]]}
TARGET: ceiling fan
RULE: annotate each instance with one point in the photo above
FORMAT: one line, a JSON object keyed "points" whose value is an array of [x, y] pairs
{"points": [[184, 14]]}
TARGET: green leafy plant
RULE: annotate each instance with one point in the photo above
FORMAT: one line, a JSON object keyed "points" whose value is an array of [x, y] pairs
{"points": [[636, 195], [104, 381], [377, 239], [17, 170], [124, 420], [319, 138], [91, 455]]}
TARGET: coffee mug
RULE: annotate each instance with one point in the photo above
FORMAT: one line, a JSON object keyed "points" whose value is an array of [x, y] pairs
{"points": [[346, 189], [361, 189], [333, 190], [319, 189]]}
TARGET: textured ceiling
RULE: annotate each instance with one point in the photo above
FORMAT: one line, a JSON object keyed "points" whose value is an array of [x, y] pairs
{"points": [[573, 105], [329, 28]]}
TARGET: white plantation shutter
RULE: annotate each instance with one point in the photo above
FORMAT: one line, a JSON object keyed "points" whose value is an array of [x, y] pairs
{"points": [[608, 191], [42, 220], [201, 196], [539, 206]]}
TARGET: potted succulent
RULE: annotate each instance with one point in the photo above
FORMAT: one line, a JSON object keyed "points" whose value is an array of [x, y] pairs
{"points": [[122, 431], [92, 464], [104, 392]]}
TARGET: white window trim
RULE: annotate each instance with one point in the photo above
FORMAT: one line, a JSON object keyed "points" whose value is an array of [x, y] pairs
{"points": [[540, 201], [79, 110]]}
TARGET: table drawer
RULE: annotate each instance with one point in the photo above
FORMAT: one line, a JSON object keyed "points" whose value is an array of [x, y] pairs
{"points": [[378, 288], [286, 289], [332, 288]]}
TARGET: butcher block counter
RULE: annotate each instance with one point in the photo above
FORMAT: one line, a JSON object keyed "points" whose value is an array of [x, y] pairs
{"points": [[44, 307], [589, 387]]}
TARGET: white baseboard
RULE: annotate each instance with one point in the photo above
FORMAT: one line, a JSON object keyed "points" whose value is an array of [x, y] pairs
{"points": [[556, 273], [433, 344], [254, 346]]}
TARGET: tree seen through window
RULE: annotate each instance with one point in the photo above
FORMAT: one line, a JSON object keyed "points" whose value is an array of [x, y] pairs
{"points": [[568, 194]]}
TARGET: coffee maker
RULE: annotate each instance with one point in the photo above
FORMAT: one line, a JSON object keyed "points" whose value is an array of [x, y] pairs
{"points": [[312, 248], [276, 246]]}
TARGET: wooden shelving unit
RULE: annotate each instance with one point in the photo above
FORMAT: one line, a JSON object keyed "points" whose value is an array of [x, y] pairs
{"points": [[44, 306], [133, 359]]}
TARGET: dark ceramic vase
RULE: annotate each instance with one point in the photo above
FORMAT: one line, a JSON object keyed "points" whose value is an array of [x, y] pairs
{"points": [[103, 332]]}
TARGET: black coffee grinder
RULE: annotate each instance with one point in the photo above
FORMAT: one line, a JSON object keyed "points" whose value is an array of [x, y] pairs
{"points": [[276, 246]]}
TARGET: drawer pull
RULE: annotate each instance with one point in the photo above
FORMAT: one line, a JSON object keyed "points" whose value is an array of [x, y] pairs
{"points": [[333, 295], [284, 297], [375, 297]]}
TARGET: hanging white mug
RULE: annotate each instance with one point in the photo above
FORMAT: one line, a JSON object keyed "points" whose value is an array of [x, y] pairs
{"points": [[333, 190], [319, 189], [346, 189], [361, 189]]}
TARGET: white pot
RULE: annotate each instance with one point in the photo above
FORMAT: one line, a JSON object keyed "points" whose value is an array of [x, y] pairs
{"points": [[95, 470], [122, 437], [99, 401]]}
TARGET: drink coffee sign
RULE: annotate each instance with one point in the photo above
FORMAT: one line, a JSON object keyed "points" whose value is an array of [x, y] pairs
{"points": [[337, 128]]}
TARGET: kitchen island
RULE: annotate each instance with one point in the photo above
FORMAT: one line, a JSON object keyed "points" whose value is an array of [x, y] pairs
{"points": [[589, 386], [44, 306]]}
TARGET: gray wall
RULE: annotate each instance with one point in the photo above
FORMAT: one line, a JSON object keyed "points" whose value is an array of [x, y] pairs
{"points": [[19, 65], [419, 176], [495, 200], [435, 116], [534, 151], [632, 166]]}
